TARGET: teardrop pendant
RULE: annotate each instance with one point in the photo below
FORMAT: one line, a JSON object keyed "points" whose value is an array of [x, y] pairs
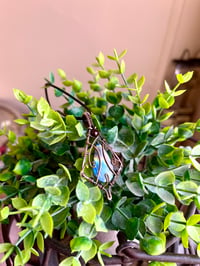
{"points": [[104, 163]]}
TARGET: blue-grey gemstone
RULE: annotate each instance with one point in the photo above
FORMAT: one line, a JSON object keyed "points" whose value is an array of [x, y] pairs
{"points": [[102, 165]]}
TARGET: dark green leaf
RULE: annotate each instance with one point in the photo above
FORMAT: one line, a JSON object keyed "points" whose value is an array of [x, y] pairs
{"points": [[116, 111], [22, 167]]}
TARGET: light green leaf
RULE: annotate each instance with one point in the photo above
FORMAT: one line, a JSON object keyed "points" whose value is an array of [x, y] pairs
{"points": [[46, 222], [40, 242], [70, 261], [184, 238], [5, 247], [194, 219], [41, 200], [195, 163], [100, 59], [4, 213], [87, 212], [89, 254], [80, 243], [141, 82], [86, 229], [48, 181], [66, 171], [122, 66], [193, 232], [22, 96], [165, 195], [198, 249], [82, 191], [100, 225], [43, 107], [196, 151], [165, 178], [18, 203], [62, 74], [95, 193]]}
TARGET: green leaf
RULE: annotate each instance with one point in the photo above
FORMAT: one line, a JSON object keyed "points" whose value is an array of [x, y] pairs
{"points": [[134, 226], [51, 77], [126, 135], [196, 151], [106, 245], [165, 195], [140, 82], [116, 111], [100, 225], [184, 238], [21, 121], [86, 229], [5, 247], [100, 59], [73, 127], [48, 181], [78, 164], [87, 212], [22, 167], [43, 107], [122, 66], [187, 189], [175, 221], [195, 163], [11, 136], [62, 74], [165, 178], [62, 198], [41, 200], [95, 193], [66, 171], [194, 219], [80, 243], [104, 74], [162, 102], [46, 222], [183, 78], [137, 122], [113, 97], [8, 253], [122, 54], [40, 242], [29, 241], [82, 191], [4, 213], [193, 232], [18, 203], [22, 96], [198, 249], [154, 245], [154, 224], [70, 261], [77, 85], [87, 255], [135, 188], [112, 135]]}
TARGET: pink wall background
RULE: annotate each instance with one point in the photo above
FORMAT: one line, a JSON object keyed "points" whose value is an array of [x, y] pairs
{"points": [[37, 37]]}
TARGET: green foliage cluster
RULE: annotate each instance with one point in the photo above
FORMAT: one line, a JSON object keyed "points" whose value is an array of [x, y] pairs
{"points": [[40, 181]]}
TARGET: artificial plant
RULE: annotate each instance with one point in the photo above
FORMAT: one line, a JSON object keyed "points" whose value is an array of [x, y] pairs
{"points": [[43, 190]]}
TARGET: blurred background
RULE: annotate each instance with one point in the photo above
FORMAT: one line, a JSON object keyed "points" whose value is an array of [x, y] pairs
{"points": [[41, 36], [37, 37]]}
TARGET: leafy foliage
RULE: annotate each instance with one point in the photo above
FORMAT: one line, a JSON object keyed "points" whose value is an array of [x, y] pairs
{"points": [[41, 183]]}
